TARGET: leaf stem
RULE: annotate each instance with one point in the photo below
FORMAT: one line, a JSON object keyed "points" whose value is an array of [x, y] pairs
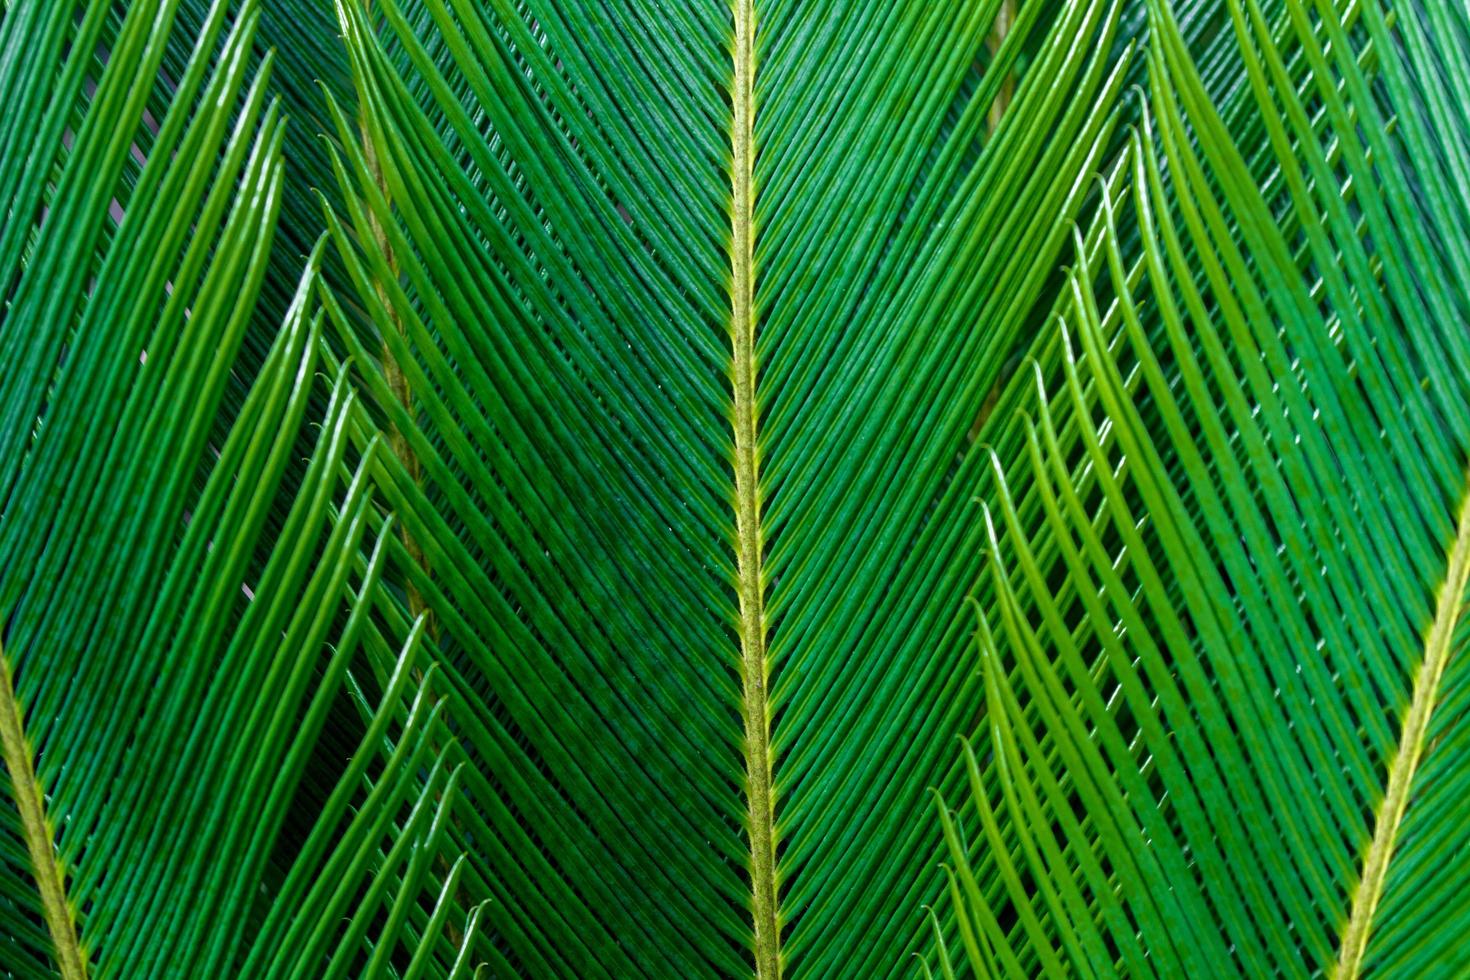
{"points": [[397, 381], [750, 545], [39, 839], [1438, 648]]}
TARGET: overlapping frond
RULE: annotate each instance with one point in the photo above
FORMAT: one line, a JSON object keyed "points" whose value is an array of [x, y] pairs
{"points": [[1228, 541], [176, 622], [306, 60], [572, 565], [888, 316], [376, 887], [614, 258]]}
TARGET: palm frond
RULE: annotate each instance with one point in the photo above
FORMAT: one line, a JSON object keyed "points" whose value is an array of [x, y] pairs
{"points": [[166, 620], [677, 319], [1228, 548], [546, 526]]}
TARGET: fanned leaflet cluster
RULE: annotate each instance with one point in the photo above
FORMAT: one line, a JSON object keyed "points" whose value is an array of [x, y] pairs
{"points": [[177, 631], [548, 244], [1228, 537], [577, 517], [927, 261]]}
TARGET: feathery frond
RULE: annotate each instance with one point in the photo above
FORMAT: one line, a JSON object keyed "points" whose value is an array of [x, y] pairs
{"points": [[536, 513], [1229, 550], [683, 390], [166, 618]]}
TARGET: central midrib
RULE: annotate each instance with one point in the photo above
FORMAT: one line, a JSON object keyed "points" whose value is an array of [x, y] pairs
{"points": [[1438, 648], [749, 539], [40, 841]]}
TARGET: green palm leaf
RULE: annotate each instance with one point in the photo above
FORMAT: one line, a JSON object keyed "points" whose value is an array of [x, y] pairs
{"points": [[532, 530], [165, 670], [691, 550], [1229, 541]]}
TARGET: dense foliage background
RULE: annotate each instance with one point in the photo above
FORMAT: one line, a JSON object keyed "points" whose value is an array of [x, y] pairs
{"points": [[565, 488]]}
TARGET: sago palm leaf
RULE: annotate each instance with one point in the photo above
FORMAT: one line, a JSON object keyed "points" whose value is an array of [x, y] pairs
{"points": [[532, 529], [166, 667], [1230, 541], [683, 326]]}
